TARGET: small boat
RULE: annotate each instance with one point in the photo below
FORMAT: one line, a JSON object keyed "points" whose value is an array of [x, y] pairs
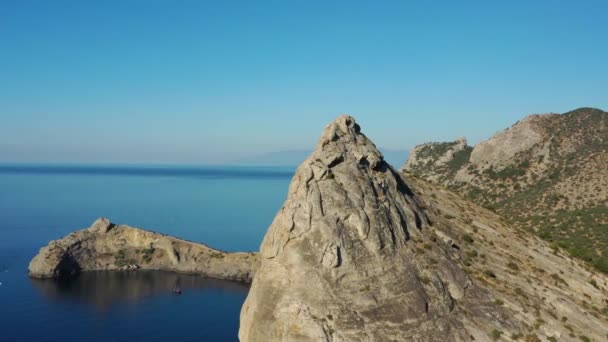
{"points": [[177, 290]]}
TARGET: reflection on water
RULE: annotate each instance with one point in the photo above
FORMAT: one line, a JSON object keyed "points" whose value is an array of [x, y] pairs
{"points": [[102, 289]]}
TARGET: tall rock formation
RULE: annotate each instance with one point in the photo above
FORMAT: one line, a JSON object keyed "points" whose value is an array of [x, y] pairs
{"points": [[352, 256]]}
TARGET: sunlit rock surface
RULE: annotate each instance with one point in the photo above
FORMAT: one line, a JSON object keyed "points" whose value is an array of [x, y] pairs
{"points": [[351, 256], [106, 246]]}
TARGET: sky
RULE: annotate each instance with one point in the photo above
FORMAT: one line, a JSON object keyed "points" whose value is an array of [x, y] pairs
{"points": [[206, 82]]}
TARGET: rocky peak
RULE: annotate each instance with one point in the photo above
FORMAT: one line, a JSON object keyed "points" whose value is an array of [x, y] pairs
{"points": [[343, 139], [101, 225], [342, 259], [498, 151], [345, 180]]}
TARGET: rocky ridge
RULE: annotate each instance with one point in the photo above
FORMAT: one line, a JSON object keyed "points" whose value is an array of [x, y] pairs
{"points": [[547, 173], [106, 246]]}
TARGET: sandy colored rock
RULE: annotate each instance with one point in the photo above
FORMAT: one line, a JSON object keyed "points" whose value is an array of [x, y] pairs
{"points": [[351, 256], [499, 150], [106, 246], [552, 294]]}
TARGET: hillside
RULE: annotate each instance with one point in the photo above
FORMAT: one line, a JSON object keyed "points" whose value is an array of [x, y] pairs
{"points": [[359, 252], [547, 173], [554, 295]]}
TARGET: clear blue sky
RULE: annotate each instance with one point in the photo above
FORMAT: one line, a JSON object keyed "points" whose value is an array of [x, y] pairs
{"points": [[213, 81]]}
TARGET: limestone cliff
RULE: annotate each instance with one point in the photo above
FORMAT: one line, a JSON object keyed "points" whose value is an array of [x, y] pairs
{"points": [[106, 246], [351, 256]]}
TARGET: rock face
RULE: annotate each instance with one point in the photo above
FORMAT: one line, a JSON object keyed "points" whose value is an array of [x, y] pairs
{"points": [[437, 160], [351, 256], [498, 151], [106, 246]]}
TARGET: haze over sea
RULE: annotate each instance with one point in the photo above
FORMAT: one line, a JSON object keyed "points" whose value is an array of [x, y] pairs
{"points": [[228, 208]]}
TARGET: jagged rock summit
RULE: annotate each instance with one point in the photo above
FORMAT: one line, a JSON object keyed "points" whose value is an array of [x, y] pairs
{"points": [[352, 256]]}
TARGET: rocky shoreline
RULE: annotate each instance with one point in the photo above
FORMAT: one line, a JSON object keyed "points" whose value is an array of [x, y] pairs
{"points": [[107, 246]]}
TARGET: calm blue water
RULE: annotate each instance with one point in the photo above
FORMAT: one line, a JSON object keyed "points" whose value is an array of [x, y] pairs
{"points": [[227, 208]]}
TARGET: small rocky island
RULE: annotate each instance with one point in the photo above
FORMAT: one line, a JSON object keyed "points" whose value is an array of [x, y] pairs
{"points": [[361, 252], [107, 246]]}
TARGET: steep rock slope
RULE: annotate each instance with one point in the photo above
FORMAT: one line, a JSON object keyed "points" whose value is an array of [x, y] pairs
{"points": [[106, 246], [341, 260], [554, 296], [548, 173]]}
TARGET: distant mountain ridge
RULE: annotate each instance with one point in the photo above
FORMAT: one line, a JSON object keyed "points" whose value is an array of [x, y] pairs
{"points": [[548, 173], [295, 157]]}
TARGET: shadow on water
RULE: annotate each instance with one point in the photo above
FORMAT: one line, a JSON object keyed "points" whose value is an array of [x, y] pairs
{"points": [[103, 289]]}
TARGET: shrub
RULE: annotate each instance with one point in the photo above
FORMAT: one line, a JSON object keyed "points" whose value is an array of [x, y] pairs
{"points": [[520, 292], [513, 266], [495, 334], [489, 273], [467, 238], [532, 338], [516, 337], [471, 253]]}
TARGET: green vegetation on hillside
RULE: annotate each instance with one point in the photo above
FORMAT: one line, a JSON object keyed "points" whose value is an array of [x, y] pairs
{"points": [[434, 150], [460, 159], [556, 188], [583, 233]]}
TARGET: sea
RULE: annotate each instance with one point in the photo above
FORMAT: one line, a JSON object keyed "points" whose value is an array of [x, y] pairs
{"points": [[229, 208]]}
